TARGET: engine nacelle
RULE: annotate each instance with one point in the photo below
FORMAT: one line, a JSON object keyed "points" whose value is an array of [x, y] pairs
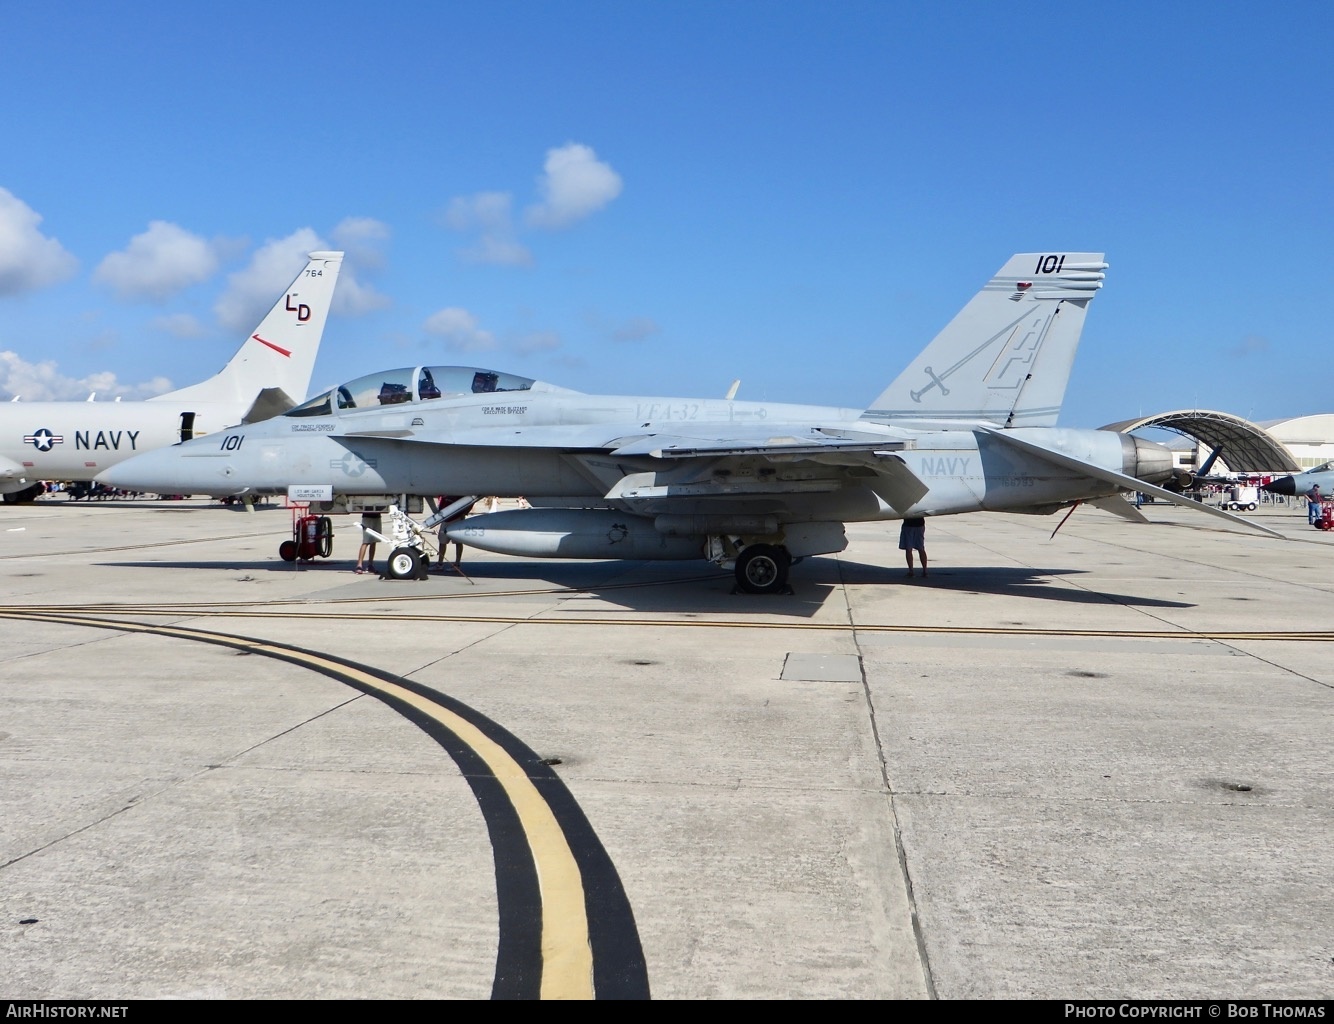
{"points": [[1148, 461], [571, 533]]}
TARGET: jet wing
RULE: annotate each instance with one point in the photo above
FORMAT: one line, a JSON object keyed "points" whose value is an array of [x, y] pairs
{"points": [[1130, 483], [699, 463], [864, 459]]}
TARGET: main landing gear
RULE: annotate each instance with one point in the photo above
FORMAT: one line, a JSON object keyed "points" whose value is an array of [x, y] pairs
{"points": [[24, 496], [763, 568]]}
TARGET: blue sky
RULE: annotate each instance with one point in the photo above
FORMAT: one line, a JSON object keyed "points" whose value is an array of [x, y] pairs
{"points": [[657, 198]]}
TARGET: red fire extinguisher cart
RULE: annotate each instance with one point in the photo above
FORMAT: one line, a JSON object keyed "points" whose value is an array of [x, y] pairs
{"points": [[312, 536]]}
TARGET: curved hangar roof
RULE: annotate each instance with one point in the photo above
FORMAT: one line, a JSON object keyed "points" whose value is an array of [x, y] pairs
{"points": [[1245, 446]]}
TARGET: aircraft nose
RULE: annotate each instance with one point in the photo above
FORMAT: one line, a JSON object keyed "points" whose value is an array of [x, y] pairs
{"points": [[1281, 485], [163, 471], [142, 472]]}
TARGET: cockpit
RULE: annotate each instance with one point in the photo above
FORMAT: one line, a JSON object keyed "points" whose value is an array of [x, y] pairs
{"points": [[408, 385]]}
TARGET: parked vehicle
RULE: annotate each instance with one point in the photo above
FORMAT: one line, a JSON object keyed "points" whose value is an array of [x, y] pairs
{"points": [[1241, 497]]}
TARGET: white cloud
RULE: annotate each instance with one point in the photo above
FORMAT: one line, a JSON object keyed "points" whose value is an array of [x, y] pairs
{"points": [[361, 238], [459, 331], [489, 214], [180, 325], [157, 264], [28, 259], [502, 252], [538, 341], [252, 291], [43, 382], [353, 297], [575, 183], [635, 329]]}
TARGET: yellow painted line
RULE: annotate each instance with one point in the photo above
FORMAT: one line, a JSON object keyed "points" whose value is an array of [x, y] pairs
{"points": [[259, 612], [567, 955]]}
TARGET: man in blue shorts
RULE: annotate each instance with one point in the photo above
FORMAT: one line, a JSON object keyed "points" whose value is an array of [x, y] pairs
{"points": [[912, 537]]}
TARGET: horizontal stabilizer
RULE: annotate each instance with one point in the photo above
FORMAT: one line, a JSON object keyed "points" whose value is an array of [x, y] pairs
{"points": [[1118, 506], [1130, 483]]}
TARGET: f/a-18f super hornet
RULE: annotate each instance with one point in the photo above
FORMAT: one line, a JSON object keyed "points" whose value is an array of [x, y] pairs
{"points": [[969, 426], [269, 374]]}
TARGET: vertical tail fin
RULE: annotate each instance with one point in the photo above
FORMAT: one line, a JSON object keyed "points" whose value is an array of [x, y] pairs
{"points": [[280, 352], [1006, 357]]}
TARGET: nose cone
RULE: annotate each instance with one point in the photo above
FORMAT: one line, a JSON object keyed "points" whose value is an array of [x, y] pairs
{"points": [[1281, 485], [174, 470]]}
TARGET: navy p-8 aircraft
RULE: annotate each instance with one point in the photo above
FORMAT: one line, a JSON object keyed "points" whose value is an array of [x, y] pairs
{"points": [[270, 373], [969, 426]]}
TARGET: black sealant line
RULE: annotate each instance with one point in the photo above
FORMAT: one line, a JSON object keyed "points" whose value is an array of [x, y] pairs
{"points": [[619, 967]]}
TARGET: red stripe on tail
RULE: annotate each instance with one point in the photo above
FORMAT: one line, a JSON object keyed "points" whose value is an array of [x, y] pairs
{"points": [[280, 351]]}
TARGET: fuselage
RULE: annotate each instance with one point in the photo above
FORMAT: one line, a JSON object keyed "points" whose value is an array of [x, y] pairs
{"points": [[535, 440], [78, 440]]}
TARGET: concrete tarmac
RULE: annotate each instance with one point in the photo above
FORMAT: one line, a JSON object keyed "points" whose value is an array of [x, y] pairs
{"points": [[1094, 766]]}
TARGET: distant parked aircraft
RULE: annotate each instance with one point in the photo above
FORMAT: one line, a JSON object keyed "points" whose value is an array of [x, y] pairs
{"points": [[1301, 482], [269, 374]]}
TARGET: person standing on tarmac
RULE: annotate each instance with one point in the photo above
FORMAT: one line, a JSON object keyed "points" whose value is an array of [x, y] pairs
{"points": [[444, 502], [1313, 505], [370, 526], [912, 537]]}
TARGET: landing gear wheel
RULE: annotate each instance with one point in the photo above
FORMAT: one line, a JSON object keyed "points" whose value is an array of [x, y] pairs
{"points": [[405, 564], [762, 569], [24, 496], [287, 551]]}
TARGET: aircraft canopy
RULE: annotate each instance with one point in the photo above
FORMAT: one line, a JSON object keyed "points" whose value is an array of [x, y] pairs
{"points": [[410, 384]]}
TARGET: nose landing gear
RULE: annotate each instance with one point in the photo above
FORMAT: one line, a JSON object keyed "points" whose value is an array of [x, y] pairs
{"points": [[406, 564]]}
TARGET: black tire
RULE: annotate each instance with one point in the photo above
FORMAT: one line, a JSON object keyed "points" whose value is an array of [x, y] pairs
{"points": [[403, 564], [762, 569], [23, 497], [325, 533], [287, 551]]}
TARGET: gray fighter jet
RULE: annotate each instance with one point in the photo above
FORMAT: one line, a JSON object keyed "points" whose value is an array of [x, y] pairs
{"points": [[969, 426], [1322, 475]]}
